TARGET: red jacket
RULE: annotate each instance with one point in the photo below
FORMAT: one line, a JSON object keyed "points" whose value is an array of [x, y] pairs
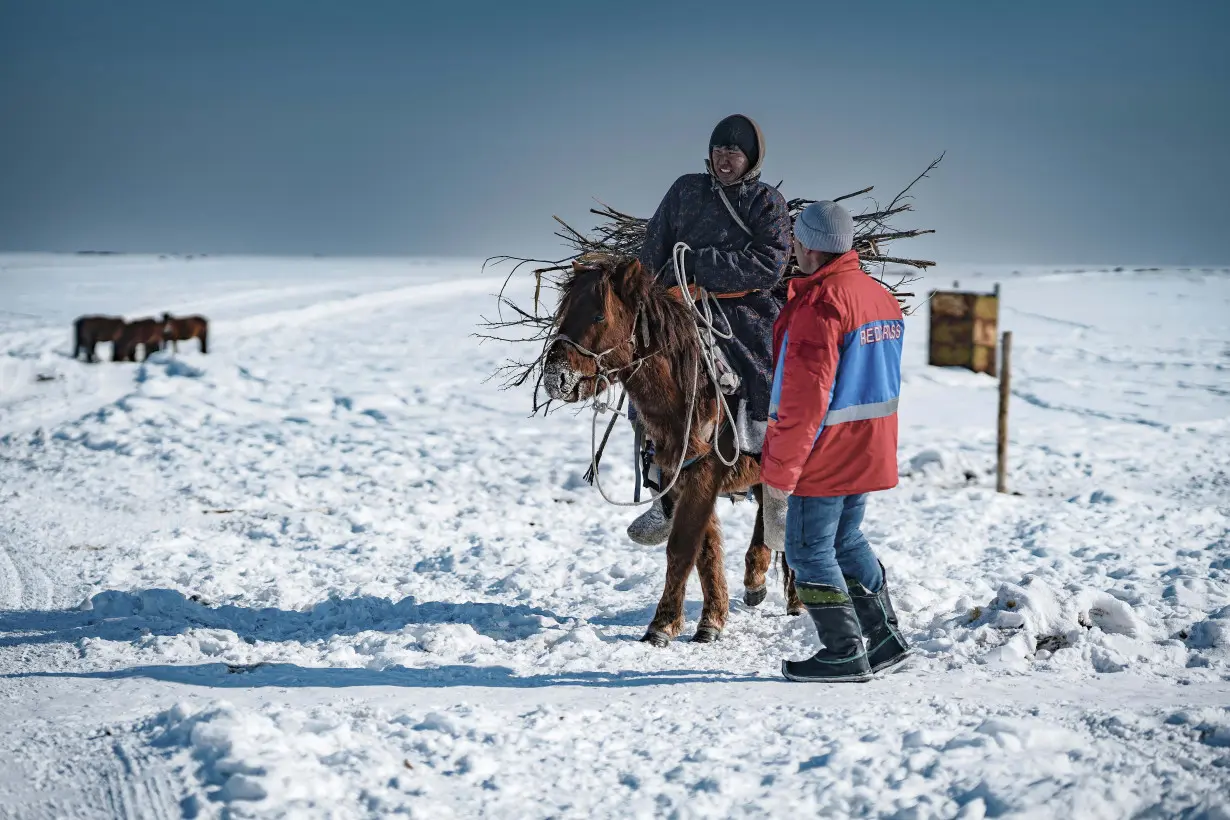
{"points": [[833, 411]]}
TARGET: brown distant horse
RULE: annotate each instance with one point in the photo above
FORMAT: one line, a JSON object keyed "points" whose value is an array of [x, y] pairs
{"points": [[185, 328], [90, 330], [616, 323], [144, 332]]}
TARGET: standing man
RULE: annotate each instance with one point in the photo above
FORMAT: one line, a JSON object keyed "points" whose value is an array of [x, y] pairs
{"points": [[832, 440], [739, 231]]}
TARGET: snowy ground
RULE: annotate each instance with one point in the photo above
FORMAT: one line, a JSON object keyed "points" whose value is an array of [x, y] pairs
{"points": [[325, 570]]}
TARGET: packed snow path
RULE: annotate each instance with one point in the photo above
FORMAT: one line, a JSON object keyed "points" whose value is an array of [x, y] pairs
{"points": [[327, 570]]}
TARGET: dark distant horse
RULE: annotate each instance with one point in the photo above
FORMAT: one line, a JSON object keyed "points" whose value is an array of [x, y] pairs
{"points": [[185, 328], [90, 330], [148, 333], [616, 324]]}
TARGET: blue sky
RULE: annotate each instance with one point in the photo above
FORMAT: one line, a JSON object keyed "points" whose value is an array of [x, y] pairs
{"points": [[1076, 132]]}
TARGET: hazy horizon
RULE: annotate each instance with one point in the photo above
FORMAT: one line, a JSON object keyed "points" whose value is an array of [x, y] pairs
{"points": [[1073, 136]]}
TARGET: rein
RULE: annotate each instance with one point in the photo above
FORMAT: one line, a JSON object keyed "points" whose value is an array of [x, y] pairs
{"points": [[704, 308]]}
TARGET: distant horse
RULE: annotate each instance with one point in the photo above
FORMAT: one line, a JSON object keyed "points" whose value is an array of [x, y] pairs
{"points": [[90, 330], [148, 333], [616, 324], [185, 328]]}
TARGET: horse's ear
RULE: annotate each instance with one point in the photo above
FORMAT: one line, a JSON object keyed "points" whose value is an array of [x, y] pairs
{"points": [[631, 282]]}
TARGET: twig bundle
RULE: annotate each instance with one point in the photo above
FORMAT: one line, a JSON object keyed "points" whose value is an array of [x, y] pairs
{"points": [[622, 235]]}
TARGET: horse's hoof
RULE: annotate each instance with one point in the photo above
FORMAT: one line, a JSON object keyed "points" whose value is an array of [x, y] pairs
{"points": [[706, 634], [655, 638], [755, 597], [798, 609]]}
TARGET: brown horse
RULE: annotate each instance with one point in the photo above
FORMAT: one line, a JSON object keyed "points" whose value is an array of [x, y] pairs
{"points": [[616, 323], [185, 328], [90, 330], [144, 332]]}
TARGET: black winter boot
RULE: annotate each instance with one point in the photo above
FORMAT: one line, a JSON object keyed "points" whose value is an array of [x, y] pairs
{"points": [[885, 645], [843, 657]]}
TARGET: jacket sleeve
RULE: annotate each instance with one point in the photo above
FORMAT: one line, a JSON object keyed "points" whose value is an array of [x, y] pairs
{"points": [[802, 385], [759, 265], [660, 233]]}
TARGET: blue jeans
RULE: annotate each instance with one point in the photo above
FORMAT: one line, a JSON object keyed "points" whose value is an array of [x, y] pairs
{"points": [[824, 542]]}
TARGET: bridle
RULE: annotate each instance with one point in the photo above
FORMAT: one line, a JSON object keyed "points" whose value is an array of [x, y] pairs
{"points": [[604, 377]]}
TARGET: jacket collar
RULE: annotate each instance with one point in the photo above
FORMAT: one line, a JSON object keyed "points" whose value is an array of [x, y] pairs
{"points": [[845, 263], [749, 178]]}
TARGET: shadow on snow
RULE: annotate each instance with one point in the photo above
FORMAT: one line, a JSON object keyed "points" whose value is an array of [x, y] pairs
{"points": [[127, 616], [284, 675]]}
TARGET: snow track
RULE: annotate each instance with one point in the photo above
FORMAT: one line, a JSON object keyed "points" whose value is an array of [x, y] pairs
{"points": [[328, 570], [23, 583], [98, 777]]}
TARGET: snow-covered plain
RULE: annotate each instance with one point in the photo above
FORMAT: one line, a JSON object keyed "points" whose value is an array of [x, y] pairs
{"points": [[327, 570]]}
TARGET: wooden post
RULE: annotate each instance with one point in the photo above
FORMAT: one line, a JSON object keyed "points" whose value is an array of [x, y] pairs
{"points": [[1001, 455]]}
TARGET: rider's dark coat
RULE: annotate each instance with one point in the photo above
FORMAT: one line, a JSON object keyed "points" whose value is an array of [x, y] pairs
{"points": [[727, 260]]}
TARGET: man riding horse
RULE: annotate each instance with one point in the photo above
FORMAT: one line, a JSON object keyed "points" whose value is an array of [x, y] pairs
{"points": [[739, 231]]}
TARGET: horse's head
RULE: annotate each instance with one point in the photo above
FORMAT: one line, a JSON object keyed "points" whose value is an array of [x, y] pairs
{"points": [[595, 327]]}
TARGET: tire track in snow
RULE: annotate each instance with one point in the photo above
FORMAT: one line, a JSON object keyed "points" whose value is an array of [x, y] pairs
{"points": [[1037, 401], [91, 778], [22, 584], [440, 291]]}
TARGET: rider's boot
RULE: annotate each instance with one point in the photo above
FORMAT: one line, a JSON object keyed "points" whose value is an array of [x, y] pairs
{"points": [[653, 526]]}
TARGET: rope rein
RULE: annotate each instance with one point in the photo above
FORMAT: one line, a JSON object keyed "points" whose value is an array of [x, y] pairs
{"points": [[704, 308]]}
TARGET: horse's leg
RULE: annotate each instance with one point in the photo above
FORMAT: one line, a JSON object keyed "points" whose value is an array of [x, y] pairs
{"points": [[204, 346], [793, 605], [757, 559], [712, 583], [693, 508]]}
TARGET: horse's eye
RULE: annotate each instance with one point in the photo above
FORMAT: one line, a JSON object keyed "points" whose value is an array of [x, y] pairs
{"points": [[599, 318]]}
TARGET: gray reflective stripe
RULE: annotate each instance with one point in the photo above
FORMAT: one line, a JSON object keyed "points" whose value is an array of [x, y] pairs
{"points": [[861, 412]]}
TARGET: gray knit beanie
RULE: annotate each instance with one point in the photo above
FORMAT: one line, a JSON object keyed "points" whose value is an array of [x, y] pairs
{"points": [[825, 226]]}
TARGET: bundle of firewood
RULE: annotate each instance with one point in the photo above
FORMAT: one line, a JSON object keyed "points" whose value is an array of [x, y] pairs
{"points": [[621, 234]]}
